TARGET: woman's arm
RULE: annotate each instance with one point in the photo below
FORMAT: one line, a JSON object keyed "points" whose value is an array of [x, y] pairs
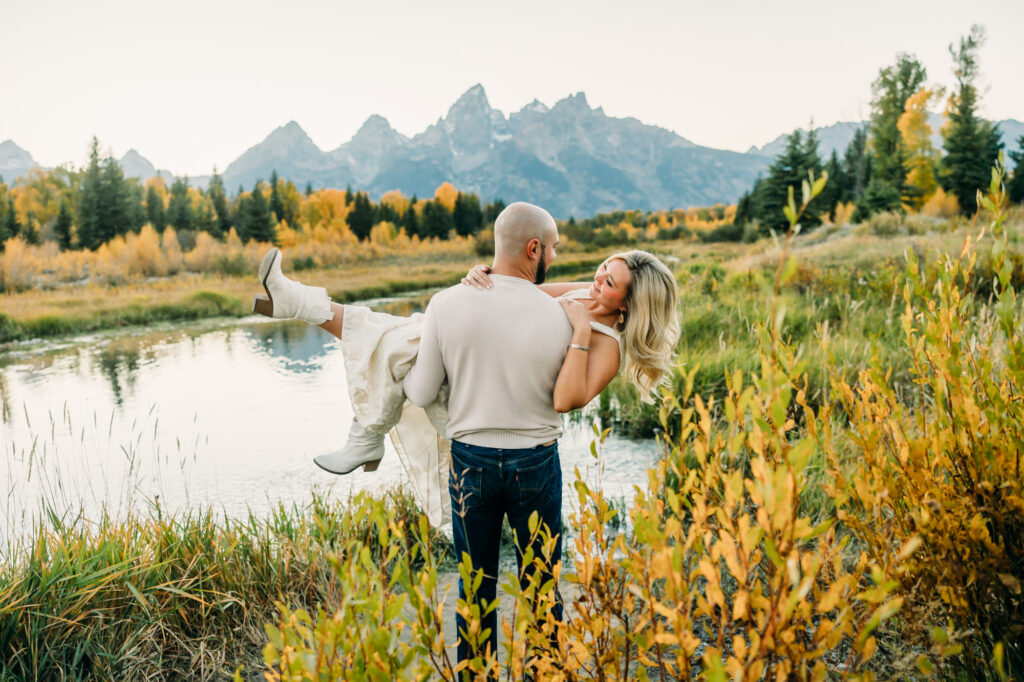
{"points": [[477, 277], [584, 373], [556, 289]]}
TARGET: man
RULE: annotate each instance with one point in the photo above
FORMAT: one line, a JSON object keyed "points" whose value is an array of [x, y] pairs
{"points": [[501, 351]]}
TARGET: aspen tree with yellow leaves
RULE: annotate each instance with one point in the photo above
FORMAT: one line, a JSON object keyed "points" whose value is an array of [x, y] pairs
{"points": [[921, 156]]}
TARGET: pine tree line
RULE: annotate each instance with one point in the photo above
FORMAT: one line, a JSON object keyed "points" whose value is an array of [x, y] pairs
{"points": [[890, 164], [98, 203]]}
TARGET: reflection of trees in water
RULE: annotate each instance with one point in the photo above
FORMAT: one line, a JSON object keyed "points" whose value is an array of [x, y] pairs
{"points": [[403, 307], [297, 346], [115, 357], [5, 400]]}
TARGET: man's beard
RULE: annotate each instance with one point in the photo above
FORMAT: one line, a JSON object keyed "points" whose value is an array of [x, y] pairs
{"points": [[542, 270]]}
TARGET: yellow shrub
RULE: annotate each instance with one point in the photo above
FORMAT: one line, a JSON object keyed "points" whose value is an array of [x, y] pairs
{"points": [[941, 205], [201, 257], [145, 256], [945, 473], [383, 234], [172, 251], [18, 266]]}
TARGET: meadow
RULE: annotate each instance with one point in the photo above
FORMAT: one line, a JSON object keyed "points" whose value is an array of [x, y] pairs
{"points": [[840, 494]]}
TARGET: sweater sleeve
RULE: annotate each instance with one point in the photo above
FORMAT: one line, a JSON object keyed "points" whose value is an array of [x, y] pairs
{"points": [[424, 380]]}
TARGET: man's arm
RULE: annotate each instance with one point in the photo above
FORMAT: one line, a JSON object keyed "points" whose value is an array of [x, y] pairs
{"points": [[424, 380]]}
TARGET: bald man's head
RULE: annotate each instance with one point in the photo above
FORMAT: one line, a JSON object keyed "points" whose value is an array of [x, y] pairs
{"points": [[518, 224]]}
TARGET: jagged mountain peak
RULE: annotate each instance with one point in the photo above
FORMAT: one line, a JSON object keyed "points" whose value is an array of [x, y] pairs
{"points": [[475, 96], [135, 165], [376, 129], [291, 133], [9, 151], [535, 107], [472, 105], [575, 103]]}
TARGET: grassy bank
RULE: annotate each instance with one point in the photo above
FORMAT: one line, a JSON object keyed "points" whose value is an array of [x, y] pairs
{"points": [[846, 290], [36, 314], [174, 597]]}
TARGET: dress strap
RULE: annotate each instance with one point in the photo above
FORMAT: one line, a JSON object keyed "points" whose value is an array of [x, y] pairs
{"points": [[606, 330], [596, 326]]}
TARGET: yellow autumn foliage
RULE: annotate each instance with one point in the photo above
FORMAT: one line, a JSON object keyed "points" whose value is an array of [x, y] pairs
{"points": [[446, 194]]}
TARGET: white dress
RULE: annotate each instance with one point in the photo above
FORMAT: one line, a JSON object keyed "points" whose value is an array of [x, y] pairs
{"points": [[379, 351]]}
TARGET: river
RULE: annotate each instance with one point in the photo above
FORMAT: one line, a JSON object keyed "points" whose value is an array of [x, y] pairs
{"points": [[224, 414]]}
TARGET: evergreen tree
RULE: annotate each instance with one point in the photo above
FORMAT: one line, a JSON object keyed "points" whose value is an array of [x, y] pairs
{"points": [[745, 206], [155, 213], [878, 196], [62, 226], [857, 166], [309, 189], [276, 204], [180, 213], [1015, 187], [205, 218], [972, 144], [30, 232], [256, 217], [891, 89], [835, 188], [349, 198], [493, 210], [437, 220], [789, 169], [136, 205], [90, 216], [467, 216], [387, 213], [13, 222], [4, 231], [116, 210], [409, 222], [215, 191], [360, 218]]}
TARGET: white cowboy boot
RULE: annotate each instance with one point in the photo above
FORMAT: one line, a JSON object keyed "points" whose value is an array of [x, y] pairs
{"points": [[287, 299], [364, 448]]}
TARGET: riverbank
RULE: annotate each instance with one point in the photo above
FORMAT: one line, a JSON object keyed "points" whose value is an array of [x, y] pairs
{"points": [[89, 307]]}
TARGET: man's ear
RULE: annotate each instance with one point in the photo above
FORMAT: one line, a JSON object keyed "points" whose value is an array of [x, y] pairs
{"points": [[533, 248]]}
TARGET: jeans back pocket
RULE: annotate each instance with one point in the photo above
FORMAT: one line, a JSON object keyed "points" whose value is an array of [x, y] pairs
{"points": [[540, 479], [465, 483]]}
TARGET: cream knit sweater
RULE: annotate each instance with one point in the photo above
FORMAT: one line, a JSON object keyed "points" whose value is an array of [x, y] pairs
{"points": [[501, 350]]}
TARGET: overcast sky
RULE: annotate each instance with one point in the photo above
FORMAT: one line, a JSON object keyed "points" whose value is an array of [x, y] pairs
{"points": [[191, 84]]}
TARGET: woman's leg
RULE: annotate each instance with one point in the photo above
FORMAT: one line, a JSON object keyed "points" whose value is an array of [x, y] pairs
{"points": [[334, 324]]}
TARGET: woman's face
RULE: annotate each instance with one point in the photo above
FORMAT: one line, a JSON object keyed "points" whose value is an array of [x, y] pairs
{"points": [[611, 282]]}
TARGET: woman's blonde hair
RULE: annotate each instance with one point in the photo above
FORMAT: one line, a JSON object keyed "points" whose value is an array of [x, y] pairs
{"points": [[651, 327]]}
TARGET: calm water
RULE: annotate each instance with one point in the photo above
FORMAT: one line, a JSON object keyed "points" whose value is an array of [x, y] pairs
{"points": [[223, 413]]}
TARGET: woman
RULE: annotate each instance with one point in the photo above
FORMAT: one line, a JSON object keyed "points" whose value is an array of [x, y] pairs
{"points": [[631, 304]]}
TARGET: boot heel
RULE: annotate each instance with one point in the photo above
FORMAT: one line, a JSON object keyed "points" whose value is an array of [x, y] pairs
{"points": [[371, 466], [262, 305]]}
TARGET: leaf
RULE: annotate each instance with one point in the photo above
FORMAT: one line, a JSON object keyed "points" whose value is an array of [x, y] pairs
{"points": [[789, 270], [1011, 582]]}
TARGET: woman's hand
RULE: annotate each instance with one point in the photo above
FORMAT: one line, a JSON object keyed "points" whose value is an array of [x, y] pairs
{"points": [[577, 314], [477, 277]]}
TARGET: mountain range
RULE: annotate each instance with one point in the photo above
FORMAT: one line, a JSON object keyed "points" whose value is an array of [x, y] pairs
{"points": [[572, 158]]}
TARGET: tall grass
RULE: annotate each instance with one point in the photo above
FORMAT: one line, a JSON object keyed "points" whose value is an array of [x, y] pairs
{"points": [[179, 596]]}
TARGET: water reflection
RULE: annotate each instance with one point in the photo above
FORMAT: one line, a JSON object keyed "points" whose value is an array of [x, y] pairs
{"points": [[224, 413]]}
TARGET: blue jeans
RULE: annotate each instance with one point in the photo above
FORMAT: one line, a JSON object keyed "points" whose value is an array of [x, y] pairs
{"points": [[485, 484]]}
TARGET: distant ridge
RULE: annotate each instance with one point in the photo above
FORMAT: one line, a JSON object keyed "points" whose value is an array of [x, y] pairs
{"points": [[572, 159]]}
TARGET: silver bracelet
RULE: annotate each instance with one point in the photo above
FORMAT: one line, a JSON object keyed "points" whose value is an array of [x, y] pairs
{"points": [[579, 347]]}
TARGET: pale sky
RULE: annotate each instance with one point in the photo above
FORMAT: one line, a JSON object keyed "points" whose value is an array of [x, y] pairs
{"points": [[191, 84]]}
